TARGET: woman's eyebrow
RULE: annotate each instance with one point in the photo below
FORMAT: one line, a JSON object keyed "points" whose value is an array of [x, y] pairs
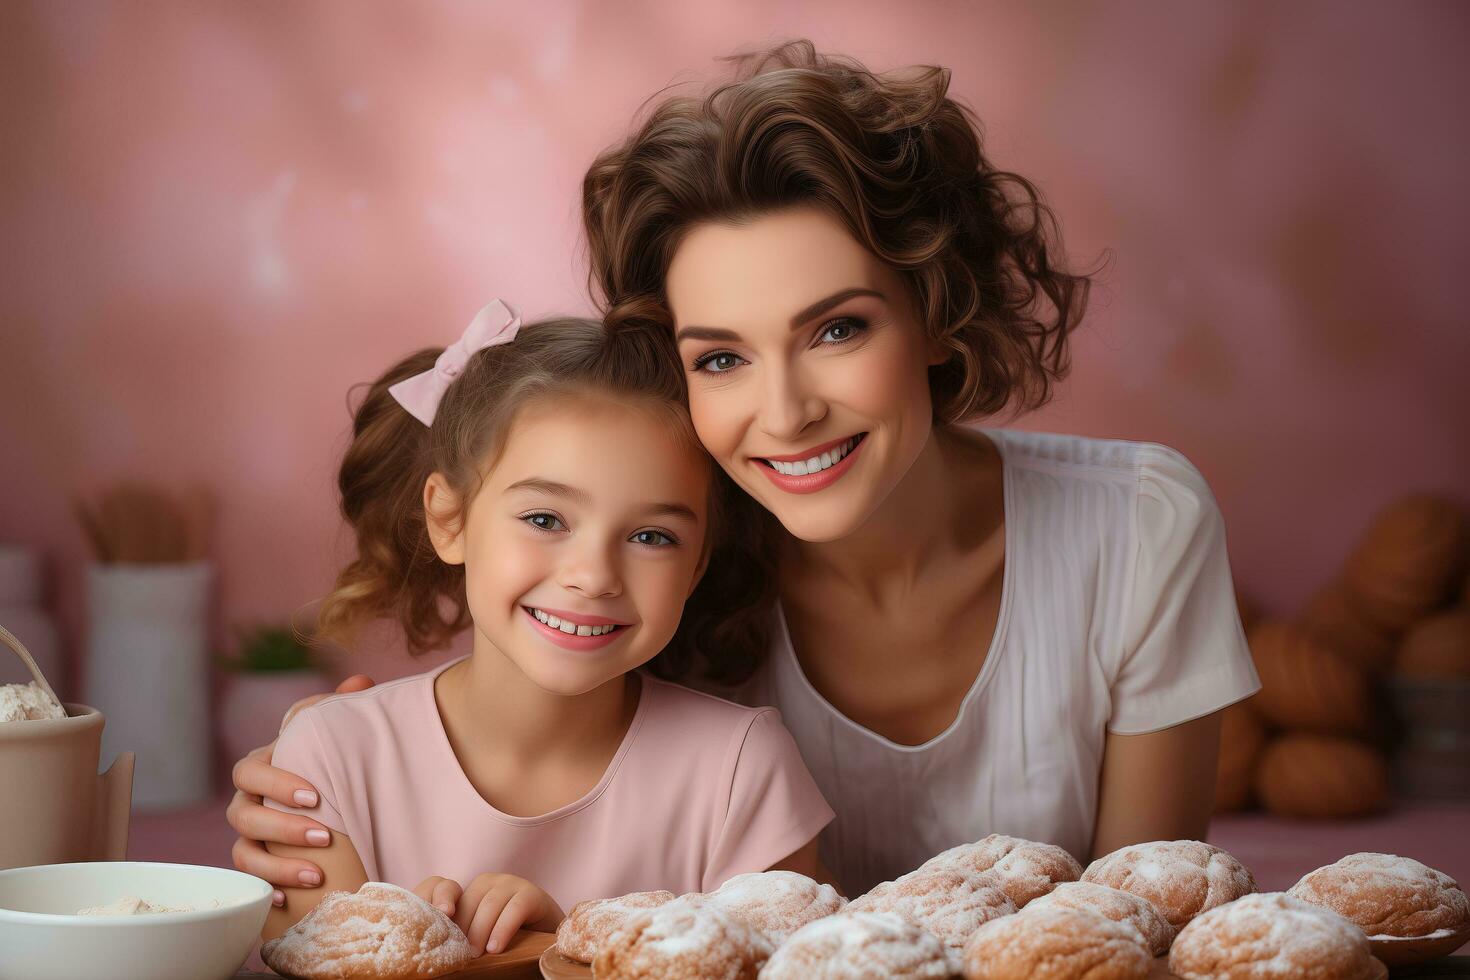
{"points": [[823, 305], [806, 315]]}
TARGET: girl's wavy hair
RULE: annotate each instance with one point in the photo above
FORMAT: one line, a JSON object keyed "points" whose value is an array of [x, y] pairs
{"points": [[894, 158], [397, 574]]}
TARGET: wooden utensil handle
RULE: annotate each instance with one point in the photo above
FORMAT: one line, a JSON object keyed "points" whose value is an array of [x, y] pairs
{"points": [[29, 661]]}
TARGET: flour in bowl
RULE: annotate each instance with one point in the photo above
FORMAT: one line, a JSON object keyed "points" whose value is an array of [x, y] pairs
{"points": [[133, 905], [28, 702]]}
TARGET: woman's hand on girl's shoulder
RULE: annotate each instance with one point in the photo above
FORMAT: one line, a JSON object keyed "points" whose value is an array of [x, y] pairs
{"points": [[342, 870], [493, 908], [257, 825]]}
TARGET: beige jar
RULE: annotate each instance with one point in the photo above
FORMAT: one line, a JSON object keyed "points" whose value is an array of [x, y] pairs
{"points": [[54, 806]]}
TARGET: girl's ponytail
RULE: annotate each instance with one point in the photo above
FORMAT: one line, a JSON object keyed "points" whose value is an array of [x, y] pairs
{"points": [[396, 573]]}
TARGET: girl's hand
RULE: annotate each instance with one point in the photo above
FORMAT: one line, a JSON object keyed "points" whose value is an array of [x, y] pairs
{"points": [[442, 893], [254, 778], [493, 908]]}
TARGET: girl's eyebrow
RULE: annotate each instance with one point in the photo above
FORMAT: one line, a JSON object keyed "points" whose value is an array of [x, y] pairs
{"points": [[673, 510], [806, 315], [539, 485]]}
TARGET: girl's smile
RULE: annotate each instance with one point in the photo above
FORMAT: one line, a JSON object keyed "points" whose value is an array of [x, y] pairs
{"points": [[575, 631]]}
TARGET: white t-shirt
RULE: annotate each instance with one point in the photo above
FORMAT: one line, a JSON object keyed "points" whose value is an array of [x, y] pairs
{"points": [[1117, 613]]}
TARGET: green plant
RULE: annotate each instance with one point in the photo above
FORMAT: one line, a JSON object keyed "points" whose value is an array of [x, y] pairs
{"points": [[269, 649]]}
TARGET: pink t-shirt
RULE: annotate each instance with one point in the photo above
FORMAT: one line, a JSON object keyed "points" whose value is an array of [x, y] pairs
{"points": [[699, 791]]}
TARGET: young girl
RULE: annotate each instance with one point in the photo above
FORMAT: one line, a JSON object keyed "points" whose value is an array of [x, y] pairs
{"points": [[543, 486]]}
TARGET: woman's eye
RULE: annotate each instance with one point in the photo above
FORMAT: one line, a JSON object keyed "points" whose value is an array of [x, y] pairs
{"points": [[546, 522], [841, 331], [716, 362], [654, 539]]}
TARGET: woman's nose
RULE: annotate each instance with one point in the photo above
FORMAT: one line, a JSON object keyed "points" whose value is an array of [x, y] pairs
{"points": [[788, 405]]}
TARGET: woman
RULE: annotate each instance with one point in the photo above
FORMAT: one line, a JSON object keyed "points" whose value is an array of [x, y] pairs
{"points": [[977, 630]]}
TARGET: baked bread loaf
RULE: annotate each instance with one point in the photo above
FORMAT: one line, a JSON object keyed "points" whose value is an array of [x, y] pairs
{"points": [[1409, 561], [1025, 869], [860, 946], [1437, 647], [948, 902], [1321, 777], [589, 923], [379, 931], [1387, 896], [1337, 619], [682, 940], [1271, 936], [776, 903], [1111, 903], [1056, 943], [1306, 686], [1183, 878]]}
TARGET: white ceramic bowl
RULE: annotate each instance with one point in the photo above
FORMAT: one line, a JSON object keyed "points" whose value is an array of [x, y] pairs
{"points": [[42, 937]]}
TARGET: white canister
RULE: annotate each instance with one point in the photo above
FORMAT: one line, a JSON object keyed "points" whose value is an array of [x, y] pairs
{"points": [[148, 670], [21, 613]]}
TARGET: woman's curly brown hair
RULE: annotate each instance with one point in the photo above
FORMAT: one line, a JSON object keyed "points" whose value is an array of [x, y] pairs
{"points": [[397, 574], [898, 162]]}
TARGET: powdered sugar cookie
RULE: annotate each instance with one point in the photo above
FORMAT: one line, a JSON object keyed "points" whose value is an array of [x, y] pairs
{"points": [[860, 946], [1182, 877], [949, 902], [584, 930], [381, 930], [1026, 869], [1111, 903], [1053, 943], [1387, 895], [1271, 936], [682, 940], [776, 903]]}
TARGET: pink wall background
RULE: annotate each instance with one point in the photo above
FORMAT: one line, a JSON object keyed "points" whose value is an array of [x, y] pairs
{"points": [[218, 216]]}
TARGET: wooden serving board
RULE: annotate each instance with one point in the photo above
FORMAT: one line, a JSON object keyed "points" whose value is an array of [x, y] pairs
{"points": [[519, 962], [1409, 952], [555, 966], [1161, 970]]}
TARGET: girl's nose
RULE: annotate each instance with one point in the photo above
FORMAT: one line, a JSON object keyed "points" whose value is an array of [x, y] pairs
{"points": [[591, 572]]}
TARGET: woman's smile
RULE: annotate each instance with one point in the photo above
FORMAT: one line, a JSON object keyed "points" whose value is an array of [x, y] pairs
{"points": [[816, 468]]}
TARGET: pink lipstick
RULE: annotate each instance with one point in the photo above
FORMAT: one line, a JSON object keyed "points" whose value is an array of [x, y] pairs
{"points": [[812, 482]]}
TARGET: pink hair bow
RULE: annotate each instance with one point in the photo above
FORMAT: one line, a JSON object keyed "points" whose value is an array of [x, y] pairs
{"points": [[496, 324]]}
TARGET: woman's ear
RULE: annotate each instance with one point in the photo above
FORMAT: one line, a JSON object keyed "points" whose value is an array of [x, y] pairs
{"points": [[444, 518], [938, 352]]}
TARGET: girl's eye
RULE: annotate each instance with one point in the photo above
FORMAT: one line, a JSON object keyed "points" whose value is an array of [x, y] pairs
{"points": [[546, 522], [841, 331], [716, 362], [654, 539]]}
